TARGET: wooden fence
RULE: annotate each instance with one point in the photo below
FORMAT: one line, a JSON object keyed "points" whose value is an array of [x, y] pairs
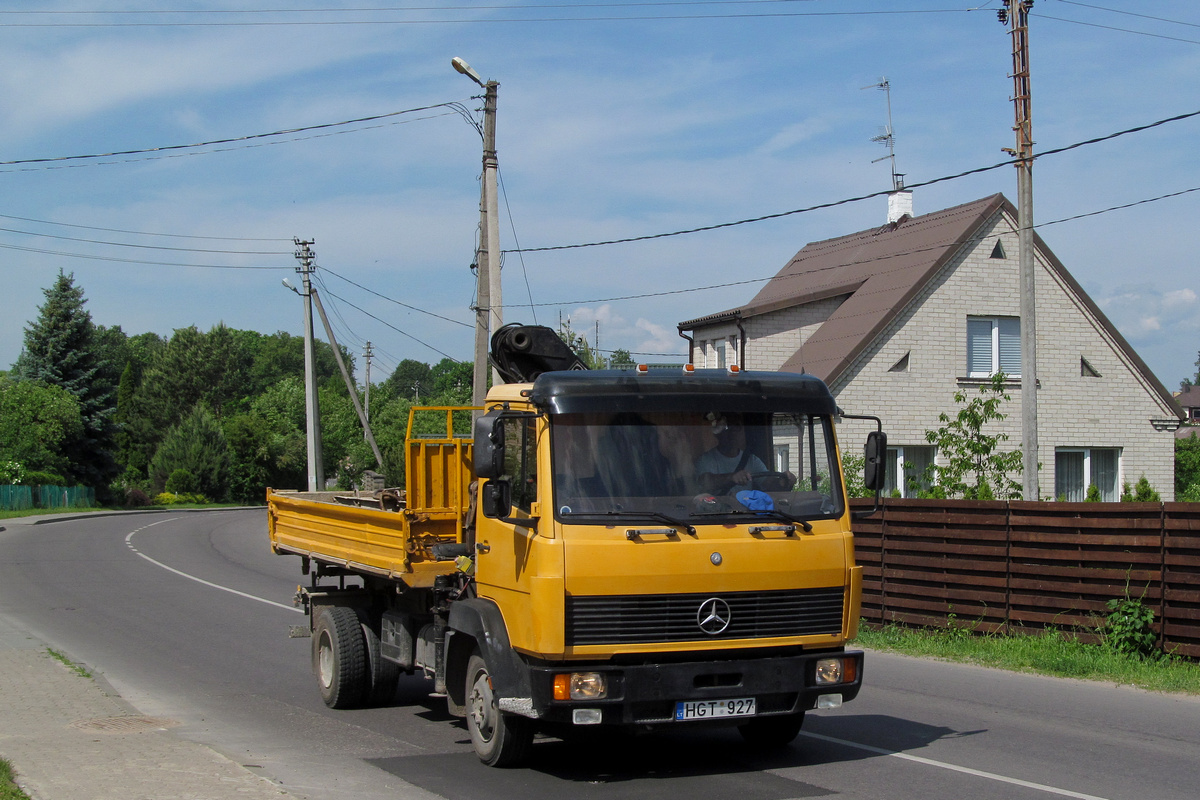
{"points": [[998, 566]]}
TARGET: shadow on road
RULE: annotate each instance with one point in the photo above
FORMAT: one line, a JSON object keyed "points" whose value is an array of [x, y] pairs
{"points": [[697, 764]]}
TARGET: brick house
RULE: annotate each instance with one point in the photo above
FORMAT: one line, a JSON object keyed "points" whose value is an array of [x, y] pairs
{"points": [[898, 318]]}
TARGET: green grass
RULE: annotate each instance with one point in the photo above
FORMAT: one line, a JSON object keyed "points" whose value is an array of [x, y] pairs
{"points": [[8, 784], [78, 669], [1053, 653], [37, 512]]}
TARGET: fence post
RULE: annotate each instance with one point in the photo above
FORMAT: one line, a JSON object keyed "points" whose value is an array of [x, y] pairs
{"points": [[1162, 578], [1008, 566]]}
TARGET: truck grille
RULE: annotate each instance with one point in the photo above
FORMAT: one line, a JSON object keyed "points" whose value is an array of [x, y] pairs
{"points": [[633, 619]]}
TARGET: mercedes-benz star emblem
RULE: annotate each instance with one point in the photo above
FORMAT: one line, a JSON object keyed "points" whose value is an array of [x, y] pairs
{"points": [[713, 616]]}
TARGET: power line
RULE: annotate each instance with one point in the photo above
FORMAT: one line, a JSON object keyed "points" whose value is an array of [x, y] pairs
{"points": [[131, 260], [1119, 30], [1131, 14], [848, 200], [393, 327], [147, 246], [253, 136], [397, 302], [930, 248], [140, 233], [487, 19]]}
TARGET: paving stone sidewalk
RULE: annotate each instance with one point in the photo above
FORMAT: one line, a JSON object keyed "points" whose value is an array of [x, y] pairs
{"points": [[71, 737]]}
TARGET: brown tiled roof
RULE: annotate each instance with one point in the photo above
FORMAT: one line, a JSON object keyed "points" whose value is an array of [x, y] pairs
{"points": [[879, 271]]}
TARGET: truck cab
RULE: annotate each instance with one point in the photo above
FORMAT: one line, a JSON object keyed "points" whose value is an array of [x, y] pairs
{"points": [[656, 549]]}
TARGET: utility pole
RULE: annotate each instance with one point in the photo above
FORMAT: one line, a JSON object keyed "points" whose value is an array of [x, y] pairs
{"points": [[1016, 14], [316, 469], [367, 353], [488, 316]]}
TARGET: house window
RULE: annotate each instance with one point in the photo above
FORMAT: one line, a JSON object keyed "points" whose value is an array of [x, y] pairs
{"points": [[783, 458], [719, 346], [912, 462], [993, 345], [1075, 469], [733, 350]]}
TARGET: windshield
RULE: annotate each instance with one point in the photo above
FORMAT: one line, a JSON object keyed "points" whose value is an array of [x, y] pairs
{"points": [[690, 468]]}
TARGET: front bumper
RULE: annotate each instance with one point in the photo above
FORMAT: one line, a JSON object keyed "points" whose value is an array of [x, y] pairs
{"points": [[645, 694]]}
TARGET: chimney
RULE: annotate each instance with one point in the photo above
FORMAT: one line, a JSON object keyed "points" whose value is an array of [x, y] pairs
{"points": [[900, 205]]}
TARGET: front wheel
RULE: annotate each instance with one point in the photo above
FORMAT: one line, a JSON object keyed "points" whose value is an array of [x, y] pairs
{"points": [[500, 740], [769, 733]]}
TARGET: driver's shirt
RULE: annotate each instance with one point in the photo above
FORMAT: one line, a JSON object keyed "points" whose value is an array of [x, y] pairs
{"points": [[716, 463]]}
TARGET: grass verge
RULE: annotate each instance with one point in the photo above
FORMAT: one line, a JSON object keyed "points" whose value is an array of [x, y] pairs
{"points": [[40, 512], [1052, 653], [8, 784]]}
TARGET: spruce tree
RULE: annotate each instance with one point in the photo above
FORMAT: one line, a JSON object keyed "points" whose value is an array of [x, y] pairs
{"points": [[61, 349]]}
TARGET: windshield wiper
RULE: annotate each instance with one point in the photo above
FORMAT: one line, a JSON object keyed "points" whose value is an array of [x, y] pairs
{"points": [[772, 513], [658, 516]]}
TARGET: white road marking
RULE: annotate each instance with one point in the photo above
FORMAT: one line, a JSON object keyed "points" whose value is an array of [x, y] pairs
{"points": [[955, 768], [129, 544]]}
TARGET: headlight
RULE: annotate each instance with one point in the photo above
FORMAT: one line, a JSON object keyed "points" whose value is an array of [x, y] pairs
{"points": [[580, 686], [835, 670]]}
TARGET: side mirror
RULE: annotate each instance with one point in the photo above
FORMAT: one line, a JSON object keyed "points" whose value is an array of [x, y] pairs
{"points": [[488, 458], [496, 502], [875, 469]]}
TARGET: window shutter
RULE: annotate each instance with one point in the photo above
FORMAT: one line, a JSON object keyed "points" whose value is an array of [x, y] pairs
{"points": [[1010, 346], [979, 347]]}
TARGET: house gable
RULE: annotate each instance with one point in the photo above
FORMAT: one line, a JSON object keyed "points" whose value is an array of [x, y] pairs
{"points": [[882, 316]]}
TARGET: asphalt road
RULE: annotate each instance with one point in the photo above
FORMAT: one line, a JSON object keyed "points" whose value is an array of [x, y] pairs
{"points": [[187, 615]]}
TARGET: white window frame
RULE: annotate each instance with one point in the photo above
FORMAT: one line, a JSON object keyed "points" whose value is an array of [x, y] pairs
{"points": [[1115, 494], [1000, 331], [895, 468]]}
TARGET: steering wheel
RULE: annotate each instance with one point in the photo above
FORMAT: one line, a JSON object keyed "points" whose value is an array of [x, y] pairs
{"points": [[776, 479]]}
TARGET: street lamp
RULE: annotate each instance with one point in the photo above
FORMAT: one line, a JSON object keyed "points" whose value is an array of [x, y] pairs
{"points": [[488, 316]]}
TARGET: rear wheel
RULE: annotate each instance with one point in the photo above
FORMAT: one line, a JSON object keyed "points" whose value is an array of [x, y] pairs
{"points": [[770, 733], [500, 740], [339, 657]]}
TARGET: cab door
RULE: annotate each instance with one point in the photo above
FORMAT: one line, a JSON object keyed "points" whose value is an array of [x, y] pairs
{"points": [[518, 564]]}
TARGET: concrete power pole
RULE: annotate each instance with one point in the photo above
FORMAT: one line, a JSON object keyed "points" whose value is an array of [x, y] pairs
{"points": [[367, 354], [1017, 16], [488, 300], [316, 469]]}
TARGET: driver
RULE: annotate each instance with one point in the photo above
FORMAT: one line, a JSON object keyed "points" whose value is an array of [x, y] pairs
{"points": [[728, 464]]}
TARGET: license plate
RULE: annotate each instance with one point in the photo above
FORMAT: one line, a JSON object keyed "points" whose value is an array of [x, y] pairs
{"points": [[713, 709]]}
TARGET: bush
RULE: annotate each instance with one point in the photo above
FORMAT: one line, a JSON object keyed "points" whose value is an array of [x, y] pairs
{"points": [[11, 472], [1143, 492], [136, 498], [1190, 495], [181, 481], [35, 478], [1093, 494], [1129, 627]]}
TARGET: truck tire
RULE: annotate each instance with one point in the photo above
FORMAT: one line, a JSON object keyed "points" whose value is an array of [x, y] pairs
{"points": [[772, 733], [380, 675], [340, 657], [500, 740]]}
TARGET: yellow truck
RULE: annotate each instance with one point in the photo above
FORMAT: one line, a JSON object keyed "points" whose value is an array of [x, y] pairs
{"points": [[652, 549]]}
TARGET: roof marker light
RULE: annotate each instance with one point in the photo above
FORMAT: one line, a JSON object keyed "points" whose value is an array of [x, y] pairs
{"points": [[643, 369], [734, 369], [688, 369]]}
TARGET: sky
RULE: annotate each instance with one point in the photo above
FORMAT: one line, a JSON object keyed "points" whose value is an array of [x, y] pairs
{"points": [[345, 125]]}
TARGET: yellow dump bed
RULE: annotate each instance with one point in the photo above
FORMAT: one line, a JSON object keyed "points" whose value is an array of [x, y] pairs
{"points": [[387, 534]]}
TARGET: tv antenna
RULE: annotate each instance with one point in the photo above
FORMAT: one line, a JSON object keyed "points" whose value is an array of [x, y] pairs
{"points": [[888, 137]]}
